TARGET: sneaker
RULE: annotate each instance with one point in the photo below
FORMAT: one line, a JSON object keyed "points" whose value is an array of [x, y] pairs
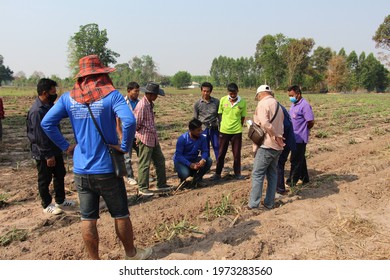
{"points": [[215, 177], [278, 195], [66, 203], [145, 192], [142, 254], [197, 183], [131, 181], [164, 188], [285, 192], [239, 177], [52, 209]]}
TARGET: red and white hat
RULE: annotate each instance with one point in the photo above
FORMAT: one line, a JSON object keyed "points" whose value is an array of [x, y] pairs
{"points": [[91, 65]]}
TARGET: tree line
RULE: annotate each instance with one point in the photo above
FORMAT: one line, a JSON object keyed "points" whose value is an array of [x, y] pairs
{"points": [[278, 60], [282, 61]]}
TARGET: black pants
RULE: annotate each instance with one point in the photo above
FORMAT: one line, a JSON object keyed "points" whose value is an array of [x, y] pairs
{"points": [[224, 140], [45, 175], [298, 165]]}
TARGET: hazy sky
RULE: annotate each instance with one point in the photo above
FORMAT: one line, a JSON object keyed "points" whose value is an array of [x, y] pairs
{"points": [[179, 34]]}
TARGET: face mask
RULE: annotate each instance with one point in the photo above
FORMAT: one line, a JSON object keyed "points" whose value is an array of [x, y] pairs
{"points": [[293, 99], [52, 97]]}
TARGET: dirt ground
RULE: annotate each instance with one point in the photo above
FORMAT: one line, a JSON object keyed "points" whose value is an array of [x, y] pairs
{"points": [[343, 213]]}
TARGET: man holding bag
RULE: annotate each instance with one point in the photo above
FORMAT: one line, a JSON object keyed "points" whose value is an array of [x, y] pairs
{"points": [[93, 168], [266, 156]]}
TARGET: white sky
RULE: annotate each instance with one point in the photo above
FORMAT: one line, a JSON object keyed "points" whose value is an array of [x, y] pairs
{"points": [[178, 34]]}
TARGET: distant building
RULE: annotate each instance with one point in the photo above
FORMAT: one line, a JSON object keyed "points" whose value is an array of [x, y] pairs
{"points": [[193, 85]]}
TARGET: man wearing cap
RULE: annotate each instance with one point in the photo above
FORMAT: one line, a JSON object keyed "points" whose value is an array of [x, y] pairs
{"points": [[302, 117], [149, 146], [232, 109], [93, 169], [266, 156]]}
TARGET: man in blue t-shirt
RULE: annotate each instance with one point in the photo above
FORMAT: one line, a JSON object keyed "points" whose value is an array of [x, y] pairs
{"points": [[192, 154], [94, 97]]}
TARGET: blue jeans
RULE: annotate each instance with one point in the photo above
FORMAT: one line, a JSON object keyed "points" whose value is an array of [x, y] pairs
{"points": [[265, 164], [212, 135], [129, 168], [110, 187], [183, 171]]}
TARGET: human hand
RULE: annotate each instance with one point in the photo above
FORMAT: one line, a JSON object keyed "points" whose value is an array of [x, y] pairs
{"points": [[117, 147], [70, 149], [51, 162], [201, 163], [194, 166], [280, 141]]}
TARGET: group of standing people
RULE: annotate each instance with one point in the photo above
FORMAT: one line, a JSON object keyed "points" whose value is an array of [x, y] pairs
{"points": [[128, 123], [285, 132]]}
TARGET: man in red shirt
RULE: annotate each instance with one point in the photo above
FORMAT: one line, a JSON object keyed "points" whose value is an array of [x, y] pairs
{"points": [[147, 140]]}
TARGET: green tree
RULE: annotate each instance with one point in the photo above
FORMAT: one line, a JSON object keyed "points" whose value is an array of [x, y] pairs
{"points": [[296, 57], [315, 78], [219, 70], [20, 79], [382, 34], [373, 75], [382, 39], [122, 76], [342, 53], [5, 72], [89, 40], [181, 79], [268, 59], [353, 67], [165, 81], [143, 69], [35, 77]]}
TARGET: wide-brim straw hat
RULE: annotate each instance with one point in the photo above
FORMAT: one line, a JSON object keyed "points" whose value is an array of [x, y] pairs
{"points": [[91, 65]]}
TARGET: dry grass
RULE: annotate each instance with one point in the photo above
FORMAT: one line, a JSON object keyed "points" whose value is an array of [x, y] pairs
{"points": [[355, 237]]}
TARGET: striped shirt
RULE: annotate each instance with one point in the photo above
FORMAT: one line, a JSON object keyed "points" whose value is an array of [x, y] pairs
{"points": [[145, 130]]}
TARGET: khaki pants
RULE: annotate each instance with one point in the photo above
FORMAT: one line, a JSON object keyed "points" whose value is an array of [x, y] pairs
{"points": [[145, 156]]}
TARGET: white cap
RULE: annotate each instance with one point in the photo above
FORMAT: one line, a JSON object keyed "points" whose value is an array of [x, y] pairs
{"points": [[263, 88]]}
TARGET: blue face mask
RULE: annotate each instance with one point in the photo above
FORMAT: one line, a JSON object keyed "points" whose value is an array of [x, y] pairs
{"points": [[293, 99]]}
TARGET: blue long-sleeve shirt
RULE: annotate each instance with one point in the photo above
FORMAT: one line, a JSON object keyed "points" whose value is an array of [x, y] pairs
{"points": [[188, 149], [91, 154]]}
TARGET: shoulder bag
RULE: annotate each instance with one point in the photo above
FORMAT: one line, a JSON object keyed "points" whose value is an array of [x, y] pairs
{"points": [[256, 133], [117, 157]]}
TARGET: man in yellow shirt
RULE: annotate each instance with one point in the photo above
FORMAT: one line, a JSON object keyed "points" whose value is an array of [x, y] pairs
{"points": [[232, 109]]}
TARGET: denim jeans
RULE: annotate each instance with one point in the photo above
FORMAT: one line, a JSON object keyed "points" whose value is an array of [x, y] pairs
{"points": [[111, 188], [265, 164], [183, 171], [128, 162], [212, 135]]}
